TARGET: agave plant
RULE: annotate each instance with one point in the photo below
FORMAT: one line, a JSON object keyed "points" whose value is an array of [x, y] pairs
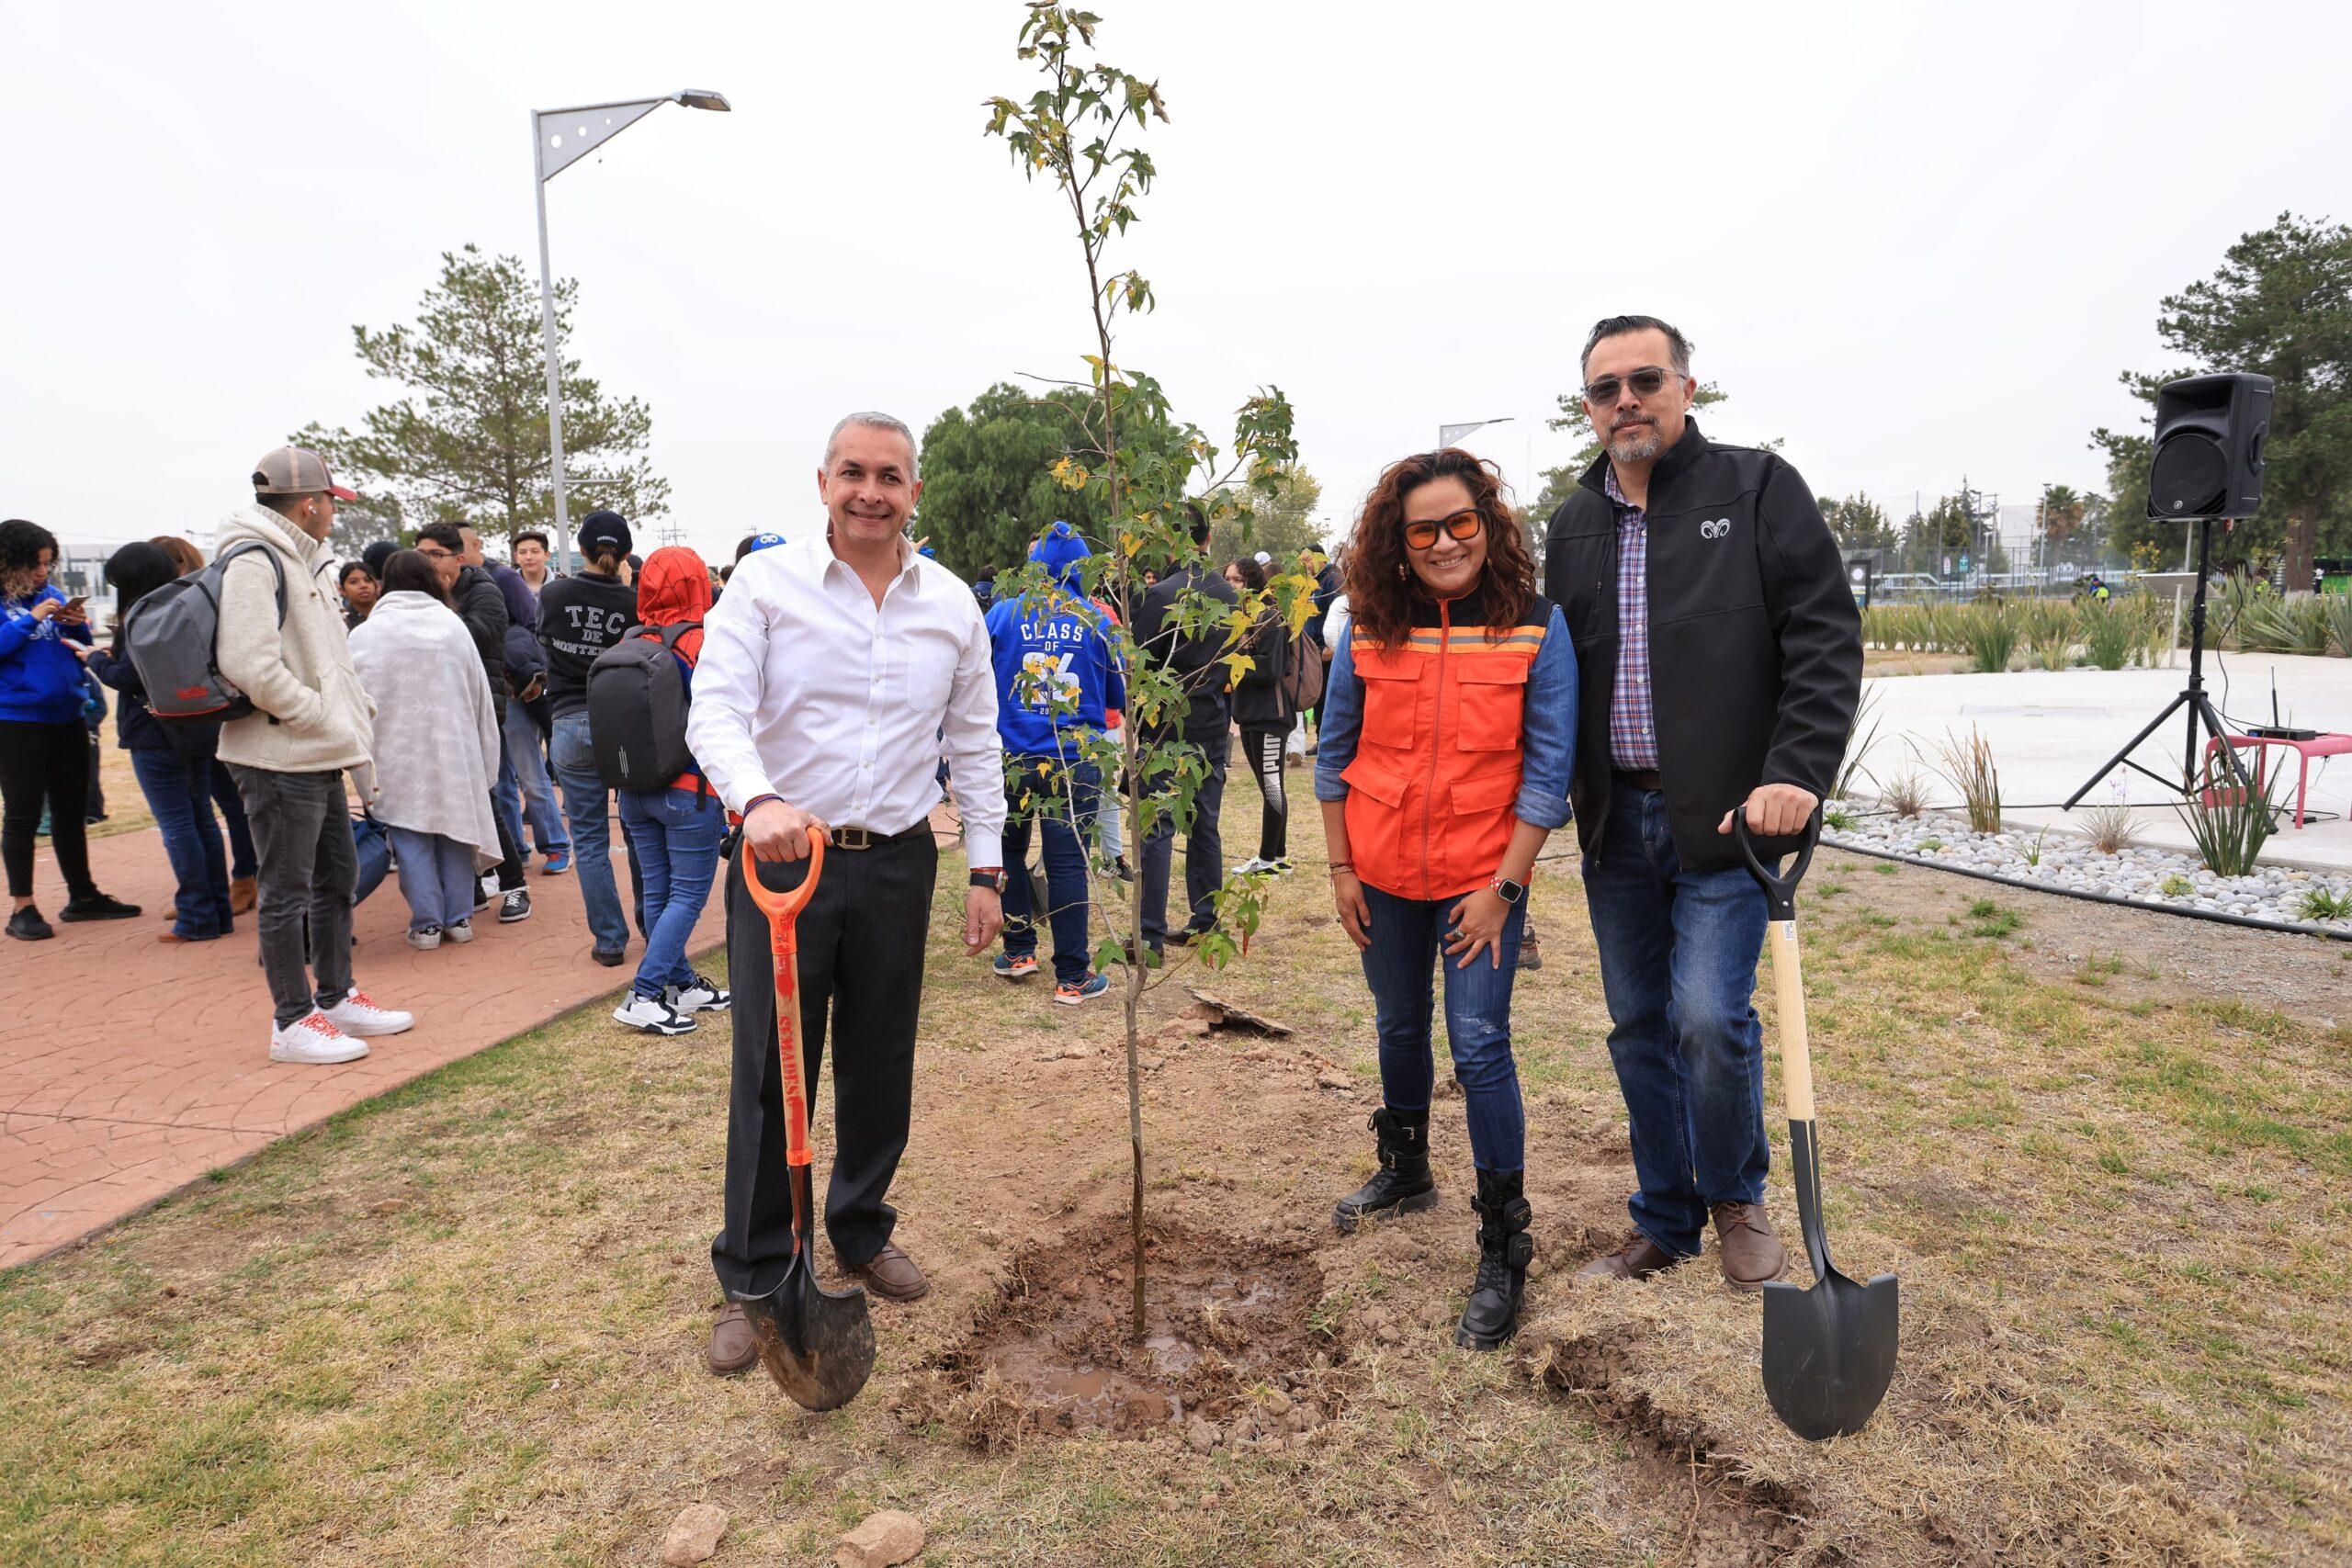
{"points": [[2050, 626], [2230, 817], [2337, 608], [2109, 634], [2297, 623], [1989, 632]]}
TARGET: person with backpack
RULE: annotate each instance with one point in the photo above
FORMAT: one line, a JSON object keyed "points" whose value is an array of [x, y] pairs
{"points": [[1057, 678], [243, 889], [279, 643], [1265, 706], [638, 693], [580, 617], [173, 763], [44, 747], [437, 747]]}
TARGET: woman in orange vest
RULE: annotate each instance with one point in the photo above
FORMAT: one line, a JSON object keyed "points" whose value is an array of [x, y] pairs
{"points": [[1449, 728]]}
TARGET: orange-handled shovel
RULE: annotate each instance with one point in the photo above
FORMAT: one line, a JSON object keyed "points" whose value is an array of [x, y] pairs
{"points": [[816, 1344]]}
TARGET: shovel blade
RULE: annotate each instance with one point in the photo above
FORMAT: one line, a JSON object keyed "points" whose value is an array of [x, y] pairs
{"points": [[1829, 1352], [816, 1344]]}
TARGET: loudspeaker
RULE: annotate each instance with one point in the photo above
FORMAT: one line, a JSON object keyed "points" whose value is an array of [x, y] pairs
{"points": [[2210, 433]]}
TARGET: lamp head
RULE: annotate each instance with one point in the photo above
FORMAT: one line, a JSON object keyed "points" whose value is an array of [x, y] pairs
{"points": [[702, 98]]}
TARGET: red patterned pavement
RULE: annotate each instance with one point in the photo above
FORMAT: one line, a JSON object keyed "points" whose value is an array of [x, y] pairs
{"points": [[129, 1067]]}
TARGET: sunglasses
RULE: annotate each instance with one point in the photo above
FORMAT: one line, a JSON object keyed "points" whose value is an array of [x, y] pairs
{"points": [[1646, 382], [1463, 525]]}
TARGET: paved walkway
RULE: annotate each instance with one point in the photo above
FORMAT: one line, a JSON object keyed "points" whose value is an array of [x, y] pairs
{"points": [[2049, 728], [129, 1067]]}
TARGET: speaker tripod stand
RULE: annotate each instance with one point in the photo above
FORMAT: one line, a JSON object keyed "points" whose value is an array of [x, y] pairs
{"points": [[2201, 712]]}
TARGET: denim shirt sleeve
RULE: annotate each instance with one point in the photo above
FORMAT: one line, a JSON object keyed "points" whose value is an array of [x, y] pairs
{"points": [[1341, 720], [1547, 731]]}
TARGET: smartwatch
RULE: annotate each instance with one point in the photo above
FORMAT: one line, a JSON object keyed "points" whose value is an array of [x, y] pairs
{"points": [[990, 878], [1509, 892]]}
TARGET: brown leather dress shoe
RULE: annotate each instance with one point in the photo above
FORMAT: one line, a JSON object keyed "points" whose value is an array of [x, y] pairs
{"points": [[1640, 1259], [734, 1349], [892, 1274], [1752, 1254], [245, 892]]}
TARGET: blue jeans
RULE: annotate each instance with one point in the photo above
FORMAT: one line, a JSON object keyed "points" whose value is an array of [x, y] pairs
{"points": [[1405, 942], [1678, 965], [524, 786], [585, 803], [179, 792], [437, 878], [1042, 800], [675, 834], [371, 844]]}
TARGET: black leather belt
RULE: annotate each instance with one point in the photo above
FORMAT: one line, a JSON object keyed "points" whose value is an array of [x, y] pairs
{"points": [[864, 838], [1640, 778]]}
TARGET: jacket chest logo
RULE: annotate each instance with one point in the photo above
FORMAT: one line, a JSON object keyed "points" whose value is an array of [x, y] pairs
{"points": [[1714, 528]]}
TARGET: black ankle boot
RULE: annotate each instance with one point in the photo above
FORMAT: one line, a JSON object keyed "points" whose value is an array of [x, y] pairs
{"points": [[1403, 1185], [1504, 1251]]}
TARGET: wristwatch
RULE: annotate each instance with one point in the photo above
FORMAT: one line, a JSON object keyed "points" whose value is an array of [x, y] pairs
{"points": [[988, 876], [1509, 892]]}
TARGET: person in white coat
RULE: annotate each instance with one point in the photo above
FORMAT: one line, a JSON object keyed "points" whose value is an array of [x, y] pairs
{"points": [[437, 743]]}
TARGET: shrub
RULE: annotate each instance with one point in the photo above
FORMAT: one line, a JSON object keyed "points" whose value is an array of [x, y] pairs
{"points": [[2229, 818], [1968, 768], [2296, 624], [1989, 633], [2109, 827], [2321, 904], [2050, 626], [1859, 742], [2337, 608], [2109, 634], [1906, 794]]}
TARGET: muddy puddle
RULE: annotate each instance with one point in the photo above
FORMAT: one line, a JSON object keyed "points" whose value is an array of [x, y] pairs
{"points": [[1223, 1318]]}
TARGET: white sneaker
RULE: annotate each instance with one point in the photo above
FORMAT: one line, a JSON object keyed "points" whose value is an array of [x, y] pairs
{"points": [[459, 930], [356, 1014], [1253, 866], [313, 1040], [425, 939], [699, 994], [653, 1015]]}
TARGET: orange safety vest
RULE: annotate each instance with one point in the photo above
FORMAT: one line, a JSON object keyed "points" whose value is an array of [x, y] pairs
{"points": [[1438, 760]]}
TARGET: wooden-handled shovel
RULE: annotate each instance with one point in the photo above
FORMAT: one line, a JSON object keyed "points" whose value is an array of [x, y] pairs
{"points": [[816, 1344], [1829, 1350]]}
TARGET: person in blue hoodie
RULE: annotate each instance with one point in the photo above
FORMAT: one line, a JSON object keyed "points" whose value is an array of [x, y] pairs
{"points": [[1057, 675], [44, 747]]}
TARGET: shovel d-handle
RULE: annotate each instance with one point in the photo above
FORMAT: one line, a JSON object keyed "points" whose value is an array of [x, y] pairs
{"points": [[781, 909], [1780, 886]]}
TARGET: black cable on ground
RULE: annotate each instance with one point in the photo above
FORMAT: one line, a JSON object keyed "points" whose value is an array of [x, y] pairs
{"points": [[2255, 922]]}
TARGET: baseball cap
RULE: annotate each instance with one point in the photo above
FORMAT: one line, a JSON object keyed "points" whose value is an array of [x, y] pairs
{"points": [[756, 543], [295, 471], [603, 529]]}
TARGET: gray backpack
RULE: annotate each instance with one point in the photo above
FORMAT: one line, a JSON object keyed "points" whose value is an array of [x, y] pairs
{"points": [[636, 709], [170, 637]]}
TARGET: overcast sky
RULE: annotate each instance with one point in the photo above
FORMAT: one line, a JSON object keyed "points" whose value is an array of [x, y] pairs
{"points": [[1913, 242]]}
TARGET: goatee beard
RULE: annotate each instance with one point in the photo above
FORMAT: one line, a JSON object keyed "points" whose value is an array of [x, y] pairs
{"points": [[1635, 444]]}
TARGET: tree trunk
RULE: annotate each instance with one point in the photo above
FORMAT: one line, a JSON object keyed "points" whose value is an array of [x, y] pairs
{"points": [[2302, 547]]}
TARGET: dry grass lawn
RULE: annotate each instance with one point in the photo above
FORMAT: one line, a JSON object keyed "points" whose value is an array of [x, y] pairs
{"points": [[463, 1323]]}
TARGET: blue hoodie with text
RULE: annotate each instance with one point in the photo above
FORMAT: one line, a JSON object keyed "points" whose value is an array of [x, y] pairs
{"points": [[1056, 671]]}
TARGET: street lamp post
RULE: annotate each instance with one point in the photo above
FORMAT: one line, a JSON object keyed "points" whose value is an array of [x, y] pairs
{"points": [[1447, 434], [560, 137]]}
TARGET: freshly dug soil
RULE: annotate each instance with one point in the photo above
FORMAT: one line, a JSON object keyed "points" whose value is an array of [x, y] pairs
{"points": [[1058, 1355]]}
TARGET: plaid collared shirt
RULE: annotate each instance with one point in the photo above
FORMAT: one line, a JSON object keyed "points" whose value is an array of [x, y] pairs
{"points": [[1633, 731]]}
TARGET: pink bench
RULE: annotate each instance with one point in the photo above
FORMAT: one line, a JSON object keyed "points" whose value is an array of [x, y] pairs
{"points": [[2320, 746]]}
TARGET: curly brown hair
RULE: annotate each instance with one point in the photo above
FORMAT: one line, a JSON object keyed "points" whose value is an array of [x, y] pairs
{"points": [[1380, 582]]}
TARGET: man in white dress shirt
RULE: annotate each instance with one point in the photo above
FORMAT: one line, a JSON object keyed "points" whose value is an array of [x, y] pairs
{"points": [[832, 675]]}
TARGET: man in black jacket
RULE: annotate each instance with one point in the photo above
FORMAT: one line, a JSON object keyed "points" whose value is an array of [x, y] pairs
{"points": [[456, 553], [1721, 660], [1208, 723]]}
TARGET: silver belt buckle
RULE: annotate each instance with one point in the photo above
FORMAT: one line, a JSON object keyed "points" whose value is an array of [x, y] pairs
{"points": [[853, 838]]}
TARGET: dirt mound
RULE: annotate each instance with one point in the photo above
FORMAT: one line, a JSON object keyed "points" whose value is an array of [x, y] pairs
{"points": [[1227, 1334]]}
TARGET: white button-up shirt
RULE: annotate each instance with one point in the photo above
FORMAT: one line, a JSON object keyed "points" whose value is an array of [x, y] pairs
{"points": [[807, 689]]}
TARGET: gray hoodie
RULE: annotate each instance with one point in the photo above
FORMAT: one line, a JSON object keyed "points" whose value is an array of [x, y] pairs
{"points": [[311, 713]]}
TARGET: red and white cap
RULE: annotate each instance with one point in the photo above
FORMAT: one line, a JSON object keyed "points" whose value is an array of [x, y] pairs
{"points": [[295, 471]]}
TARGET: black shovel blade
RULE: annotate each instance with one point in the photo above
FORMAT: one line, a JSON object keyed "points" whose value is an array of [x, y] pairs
{"points": [[816, 1344], [1829, 1352]]}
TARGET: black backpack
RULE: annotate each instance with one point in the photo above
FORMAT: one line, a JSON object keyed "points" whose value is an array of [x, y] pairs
{"points": [[636, 709]]}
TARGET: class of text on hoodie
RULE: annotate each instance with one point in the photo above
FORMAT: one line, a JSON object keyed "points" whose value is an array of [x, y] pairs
{"points": [[1063, 649]]}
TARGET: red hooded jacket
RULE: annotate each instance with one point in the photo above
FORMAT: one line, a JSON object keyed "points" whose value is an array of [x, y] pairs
{"points": [[673, 586]]}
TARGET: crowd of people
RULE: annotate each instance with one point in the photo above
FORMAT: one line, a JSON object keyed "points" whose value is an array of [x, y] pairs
{"points": [[435, 710]]}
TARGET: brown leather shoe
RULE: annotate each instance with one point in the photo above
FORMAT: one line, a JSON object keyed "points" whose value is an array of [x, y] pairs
{"points": [[245, 892], [891, 1274], [1640, 1259], [733, 1348], [1752, 1254]]}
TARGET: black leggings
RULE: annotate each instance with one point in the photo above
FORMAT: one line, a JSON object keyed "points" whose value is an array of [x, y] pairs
{"points": [[1262, 750], [50, 763]]}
